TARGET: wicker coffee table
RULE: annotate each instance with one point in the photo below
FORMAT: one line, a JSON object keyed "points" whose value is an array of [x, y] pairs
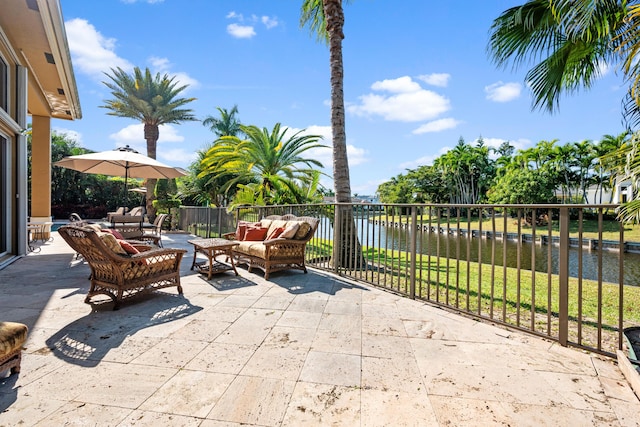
{"points": [[212, 248]]}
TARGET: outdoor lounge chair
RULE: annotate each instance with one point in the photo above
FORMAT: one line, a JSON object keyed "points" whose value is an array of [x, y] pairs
{"points": [[120, 276], [119, 211], [155, 230], [130, 227], [137, 211]]}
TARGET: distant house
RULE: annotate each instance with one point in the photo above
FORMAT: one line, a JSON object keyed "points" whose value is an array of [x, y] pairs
{"points": [[621, 192], [36, 79], [358, 199]]}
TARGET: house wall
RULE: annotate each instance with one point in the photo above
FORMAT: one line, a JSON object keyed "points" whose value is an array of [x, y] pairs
{"points": [[620, 193]]}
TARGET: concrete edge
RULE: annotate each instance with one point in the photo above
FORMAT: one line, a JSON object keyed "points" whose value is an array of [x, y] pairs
{"points": [[630, 372]]}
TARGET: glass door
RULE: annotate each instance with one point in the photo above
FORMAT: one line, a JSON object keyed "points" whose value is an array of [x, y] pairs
{"points": [[5, 186]]}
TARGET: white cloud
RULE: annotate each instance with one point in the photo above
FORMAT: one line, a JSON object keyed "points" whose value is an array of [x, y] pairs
{"points": [[241, 31], [91, 52], [437, 126], [356, 155], [324, 155], [368, 188], [408, 102], [399, 85], [160, 64], [163, 65], [70, 134], [503, 92], [134, 135], [436, 79], [234, 15], [177, 156], [269, 22], [424, 160], [518, 144]]}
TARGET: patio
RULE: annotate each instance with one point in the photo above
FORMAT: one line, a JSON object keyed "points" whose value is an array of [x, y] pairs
{"points": [[295, 350]]}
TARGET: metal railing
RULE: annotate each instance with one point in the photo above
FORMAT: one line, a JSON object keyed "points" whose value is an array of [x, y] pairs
{"points": [[544, 269], [205, 221]]}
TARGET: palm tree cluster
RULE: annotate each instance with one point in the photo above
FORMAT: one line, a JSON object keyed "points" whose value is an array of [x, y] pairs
{"points": [[573, 42], [266, 167], [545, 173]]}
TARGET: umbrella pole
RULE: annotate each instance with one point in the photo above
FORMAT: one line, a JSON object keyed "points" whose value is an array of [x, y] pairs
{"points": [[126, 180]]}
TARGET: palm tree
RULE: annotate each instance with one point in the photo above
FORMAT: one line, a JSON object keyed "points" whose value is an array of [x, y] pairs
{"points": [[608, 144], [325, 19], [153, 101], [625, 163], [573, 39], [267, 163], [226, 125], [203, 189]]}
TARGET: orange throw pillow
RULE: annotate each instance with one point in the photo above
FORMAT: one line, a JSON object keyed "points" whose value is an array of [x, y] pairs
{"points": [[128, 247], [275, 233], [115, 233], [241, 229], [255, 234]]}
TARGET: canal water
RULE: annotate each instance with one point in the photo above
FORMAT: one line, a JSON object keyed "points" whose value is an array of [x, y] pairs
{"points": [[393, 238]]}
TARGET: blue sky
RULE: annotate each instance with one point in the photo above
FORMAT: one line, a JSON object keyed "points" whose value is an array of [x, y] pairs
{"points": [[417, 78]]}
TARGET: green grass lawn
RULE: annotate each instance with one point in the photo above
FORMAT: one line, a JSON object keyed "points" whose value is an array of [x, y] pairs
{"points": [[503, 294]]}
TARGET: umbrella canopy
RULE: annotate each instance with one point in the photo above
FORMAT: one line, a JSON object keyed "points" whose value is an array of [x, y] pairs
{"points": [[124, 161]]}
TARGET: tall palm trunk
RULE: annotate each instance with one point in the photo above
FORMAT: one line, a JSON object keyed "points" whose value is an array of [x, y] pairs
{"points": [[350, 250], [151, 135]]}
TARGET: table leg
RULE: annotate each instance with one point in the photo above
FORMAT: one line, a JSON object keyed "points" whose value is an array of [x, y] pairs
{"points": [[229, 254], [211, 256], [195, 253]]}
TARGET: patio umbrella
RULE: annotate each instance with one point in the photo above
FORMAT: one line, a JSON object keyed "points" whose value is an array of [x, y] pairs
{"points": [[123, 161], [142, 191]]}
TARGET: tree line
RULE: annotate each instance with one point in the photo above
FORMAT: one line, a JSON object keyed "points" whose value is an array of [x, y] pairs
{"points": [[546, 173]]}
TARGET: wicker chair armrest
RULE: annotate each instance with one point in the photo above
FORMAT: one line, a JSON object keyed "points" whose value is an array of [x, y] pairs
{"points": [[158, 252]]}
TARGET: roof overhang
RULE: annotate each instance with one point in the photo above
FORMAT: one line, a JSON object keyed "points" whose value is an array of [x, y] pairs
{"points": [[35, 29]]}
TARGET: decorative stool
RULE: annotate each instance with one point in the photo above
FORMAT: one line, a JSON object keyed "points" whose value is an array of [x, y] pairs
{"points": [[12, 337]]}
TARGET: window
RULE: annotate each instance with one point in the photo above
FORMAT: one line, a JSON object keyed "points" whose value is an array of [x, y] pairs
{"points": [[5, 185], [4, 89]]}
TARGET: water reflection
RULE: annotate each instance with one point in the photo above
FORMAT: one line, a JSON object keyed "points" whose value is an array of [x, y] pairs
{"points": [[427, 243]]}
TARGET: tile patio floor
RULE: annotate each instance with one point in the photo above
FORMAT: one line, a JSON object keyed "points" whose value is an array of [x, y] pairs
{"points": [[298, 350]]}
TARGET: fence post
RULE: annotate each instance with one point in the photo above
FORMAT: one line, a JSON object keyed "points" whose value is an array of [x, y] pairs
{"points": [[412, 267], [208, 221], [337, 230], [563, 278]]}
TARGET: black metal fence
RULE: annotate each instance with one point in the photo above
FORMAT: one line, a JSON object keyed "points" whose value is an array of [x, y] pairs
{"points": [[556, 271]]}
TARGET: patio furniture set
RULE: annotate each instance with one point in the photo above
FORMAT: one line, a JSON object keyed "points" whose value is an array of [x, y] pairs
{"points": [[122, 268]]}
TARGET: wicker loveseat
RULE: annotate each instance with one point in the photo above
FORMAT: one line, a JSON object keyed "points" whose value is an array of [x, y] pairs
{"points": [[122, 275], [274, 252]]}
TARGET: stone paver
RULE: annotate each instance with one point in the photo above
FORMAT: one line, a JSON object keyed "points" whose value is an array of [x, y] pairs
{"points": [[296, 350]]}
